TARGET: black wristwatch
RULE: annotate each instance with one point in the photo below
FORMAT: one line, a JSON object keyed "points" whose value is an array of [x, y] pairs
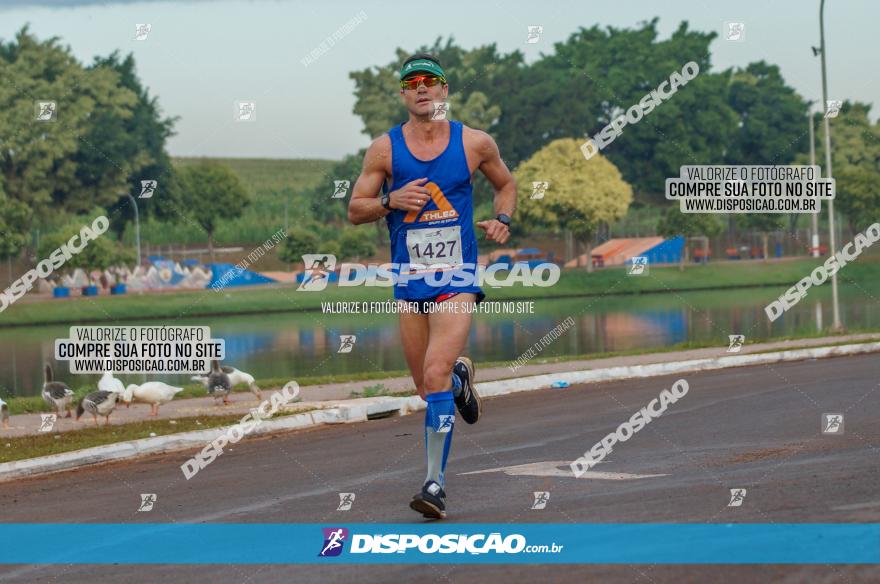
{"points": [[503, 219], [386, 201]]}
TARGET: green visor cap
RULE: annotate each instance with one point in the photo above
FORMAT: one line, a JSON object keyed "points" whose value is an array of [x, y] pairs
{"points": [[422, 66]]}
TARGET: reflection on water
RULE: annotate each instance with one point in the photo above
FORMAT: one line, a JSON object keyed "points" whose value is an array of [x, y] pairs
{"points": [[292, 345]]}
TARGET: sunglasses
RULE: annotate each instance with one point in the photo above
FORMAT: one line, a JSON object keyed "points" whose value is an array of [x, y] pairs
{"points": [[428, 80]]}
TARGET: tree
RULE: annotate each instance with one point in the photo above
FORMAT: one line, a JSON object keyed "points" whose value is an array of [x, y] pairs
{"points": [[674, 223], [138, 138], [596, 75], [45, 164], [98, 254], [581, 195], [855, 155], [858, 190], [301, 241], [771, 114], [210, 193], [14, 216], [353, 245]]}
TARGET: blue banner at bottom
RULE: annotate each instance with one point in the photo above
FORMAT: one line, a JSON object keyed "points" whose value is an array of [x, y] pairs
{"points": [[489, 543]]}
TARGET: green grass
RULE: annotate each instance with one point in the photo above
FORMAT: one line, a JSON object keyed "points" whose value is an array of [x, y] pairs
{"points": [[270, 182], [284, 298], [46, 444]]}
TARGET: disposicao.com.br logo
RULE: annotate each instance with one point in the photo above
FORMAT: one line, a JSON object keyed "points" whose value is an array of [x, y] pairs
{"points": [[430, 543]]}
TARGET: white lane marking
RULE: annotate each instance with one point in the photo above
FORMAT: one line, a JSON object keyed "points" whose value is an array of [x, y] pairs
{"points": [[550, 468]]}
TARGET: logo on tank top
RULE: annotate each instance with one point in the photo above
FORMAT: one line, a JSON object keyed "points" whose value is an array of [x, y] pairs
{"points": [[444, 209]]}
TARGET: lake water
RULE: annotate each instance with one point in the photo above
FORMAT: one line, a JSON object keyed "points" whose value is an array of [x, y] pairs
{"points": [[291, 345]]}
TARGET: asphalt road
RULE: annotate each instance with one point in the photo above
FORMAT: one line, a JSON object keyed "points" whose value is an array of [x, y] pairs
{"points": [[756, 428]]}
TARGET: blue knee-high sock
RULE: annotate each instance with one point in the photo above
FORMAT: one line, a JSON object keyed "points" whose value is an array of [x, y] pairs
{"points": [[439, 423]]}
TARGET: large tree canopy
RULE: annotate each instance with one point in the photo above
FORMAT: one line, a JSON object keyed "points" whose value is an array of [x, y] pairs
{"points": [[592, 77], [581, 195], [107, 133]]}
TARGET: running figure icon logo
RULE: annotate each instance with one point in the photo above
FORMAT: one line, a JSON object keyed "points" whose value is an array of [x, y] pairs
{"points": [[638, 266], [346, 343], [46, 111], [446, 423], [340, 189], [736, 343], [141, 31], [245, 111], [317, 269], [346, 500], [832, 423], [47, 422], [148, 187], [539, 187], [832, 108], [737, 496], [440, 111], [334, 541], [535, 32], [541, 499], [147, 501], [736, 31]]}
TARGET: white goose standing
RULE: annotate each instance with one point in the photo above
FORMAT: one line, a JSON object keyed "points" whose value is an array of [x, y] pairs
{"points": [[56, 393], [4, 414], [98, 403], [154, 393]]}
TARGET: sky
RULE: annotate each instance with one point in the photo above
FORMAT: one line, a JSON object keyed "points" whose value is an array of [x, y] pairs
{"points": [[201, 57]]}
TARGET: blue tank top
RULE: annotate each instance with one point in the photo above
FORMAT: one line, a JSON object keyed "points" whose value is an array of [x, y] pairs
{"points": [[437, 242]]}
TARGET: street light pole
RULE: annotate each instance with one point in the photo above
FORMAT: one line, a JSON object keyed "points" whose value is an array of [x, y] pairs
{"points": [[137, 227], [815, 216], [836, 325]]}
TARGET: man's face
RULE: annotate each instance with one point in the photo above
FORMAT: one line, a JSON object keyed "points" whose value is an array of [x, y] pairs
{"points": [[420, 101]]}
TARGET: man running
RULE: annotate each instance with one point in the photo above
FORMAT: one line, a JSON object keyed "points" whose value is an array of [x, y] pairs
{"points": [[424, 167]]}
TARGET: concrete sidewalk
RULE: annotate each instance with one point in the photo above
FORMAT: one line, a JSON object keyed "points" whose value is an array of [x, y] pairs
{"points": [[327, 395]]}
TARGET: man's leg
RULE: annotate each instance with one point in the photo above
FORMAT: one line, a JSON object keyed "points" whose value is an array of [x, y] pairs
{"points": [[414, 337], [448, 331]]}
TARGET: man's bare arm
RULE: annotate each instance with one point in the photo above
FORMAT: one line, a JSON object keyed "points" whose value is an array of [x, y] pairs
{"points": [[504, 184], [365, 205]]}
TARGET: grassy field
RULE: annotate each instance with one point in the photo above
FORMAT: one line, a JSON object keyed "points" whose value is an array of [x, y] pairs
{"points": [[573, 283], [271, 183]]}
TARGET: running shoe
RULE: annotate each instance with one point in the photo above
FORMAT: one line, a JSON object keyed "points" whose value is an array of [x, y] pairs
{"points": [[468, 401], [431, 502]]}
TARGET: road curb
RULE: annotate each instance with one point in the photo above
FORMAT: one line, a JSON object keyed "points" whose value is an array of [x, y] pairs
{"points": [[364, 409]]}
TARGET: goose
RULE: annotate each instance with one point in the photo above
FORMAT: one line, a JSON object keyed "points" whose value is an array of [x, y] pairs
{"points": [[154, 393], [56, 393], [110, 383], [218, 383], [236, 376], [98, 403], [4, 414]]}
